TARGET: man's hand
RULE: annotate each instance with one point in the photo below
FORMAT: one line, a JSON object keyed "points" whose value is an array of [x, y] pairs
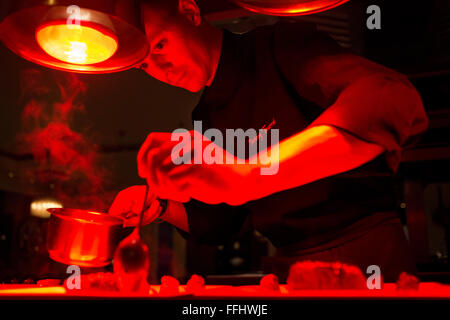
{"points": [[212, 183], [128, 205]]}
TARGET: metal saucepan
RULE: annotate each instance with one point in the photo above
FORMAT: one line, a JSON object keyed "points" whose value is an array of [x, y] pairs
{"points": [[83, 238]]}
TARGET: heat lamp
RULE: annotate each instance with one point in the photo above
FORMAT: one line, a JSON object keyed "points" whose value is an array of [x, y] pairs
{"points": [[288, 7], [84, 36], [101, 36]]}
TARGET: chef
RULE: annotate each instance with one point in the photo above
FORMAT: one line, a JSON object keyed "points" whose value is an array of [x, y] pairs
{"points": [[343, 122]]}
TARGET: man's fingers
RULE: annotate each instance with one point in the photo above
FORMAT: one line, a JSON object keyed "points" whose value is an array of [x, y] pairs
{"points": [[155, 140], [129, 204], [145, 162], [150, 160], [126, 200], [182, 172], [132, 218], [152, 213], [132, 222], [120, 206]]}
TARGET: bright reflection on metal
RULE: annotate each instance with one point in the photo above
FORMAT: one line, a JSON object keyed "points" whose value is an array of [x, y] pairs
{"points": [[76, 44], [38, 208]]}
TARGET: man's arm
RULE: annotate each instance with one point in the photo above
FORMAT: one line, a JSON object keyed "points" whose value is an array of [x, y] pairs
{"points": [[373, 115], [313, 154], [316, 153], [367, 110], [357, 96]]}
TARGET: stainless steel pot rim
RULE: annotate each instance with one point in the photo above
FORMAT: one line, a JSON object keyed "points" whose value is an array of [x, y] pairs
{"points": [[85, 216]]}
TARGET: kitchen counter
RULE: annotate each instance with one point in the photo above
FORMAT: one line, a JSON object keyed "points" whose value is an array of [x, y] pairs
{"points": [[427, 290]]}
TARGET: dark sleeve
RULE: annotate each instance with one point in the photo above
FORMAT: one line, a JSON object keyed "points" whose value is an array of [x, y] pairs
{"points": [[370, 101], [215, 224]]}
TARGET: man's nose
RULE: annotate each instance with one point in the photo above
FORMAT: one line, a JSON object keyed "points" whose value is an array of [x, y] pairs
{"points": [[161, 62]]}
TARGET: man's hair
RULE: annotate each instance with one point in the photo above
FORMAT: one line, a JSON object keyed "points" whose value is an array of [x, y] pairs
{"points": [[168, 6]]}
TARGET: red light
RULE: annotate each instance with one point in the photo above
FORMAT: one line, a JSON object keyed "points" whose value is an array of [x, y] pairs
{"points": [[289, 7], [76, 44]]}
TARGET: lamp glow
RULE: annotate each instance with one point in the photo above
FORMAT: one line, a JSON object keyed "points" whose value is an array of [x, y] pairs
{"points": [[289, 7], [38, 208], [76, 44]]}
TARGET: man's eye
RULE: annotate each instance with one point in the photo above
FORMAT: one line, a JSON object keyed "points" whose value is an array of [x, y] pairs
{"points": [[159, 46]]}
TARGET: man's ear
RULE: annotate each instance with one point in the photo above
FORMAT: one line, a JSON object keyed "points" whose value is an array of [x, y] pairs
{"points": [[190, 10]]}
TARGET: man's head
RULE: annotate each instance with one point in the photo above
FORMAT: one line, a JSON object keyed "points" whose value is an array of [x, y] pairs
{"points": [[183, 48]]}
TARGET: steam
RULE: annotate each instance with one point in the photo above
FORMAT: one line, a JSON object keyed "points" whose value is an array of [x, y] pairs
{"points": [[67, 162]]}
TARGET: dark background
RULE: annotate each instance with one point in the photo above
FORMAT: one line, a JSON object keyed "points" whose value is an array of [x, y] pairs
{"points": [[122, 108]]}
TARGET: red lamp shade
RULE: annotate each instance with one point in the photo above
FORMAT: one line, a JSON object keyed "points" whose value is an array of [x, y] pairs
{"points": [[103, 36], [288, 7]]}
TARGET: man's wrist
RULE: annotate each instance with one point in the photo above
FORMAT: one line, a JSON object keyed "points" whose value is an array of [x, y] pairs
{"points": [[256, 184], [265, 180], [163, 203], [175, 214]]}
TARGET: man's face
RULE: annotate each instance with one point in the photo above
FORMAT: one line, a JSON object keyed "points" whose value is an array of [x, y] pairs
{"points": [[177, 56]]}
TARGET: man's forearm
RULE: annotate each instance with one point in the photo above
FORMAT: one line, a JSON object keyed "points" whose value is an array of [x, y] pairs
{"points": [[310, 155], [314, 154]]}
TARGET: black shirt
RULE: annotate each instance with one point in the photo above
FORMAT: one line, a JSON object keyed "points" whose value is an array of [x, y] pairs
{"points": [[294, 77]]}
